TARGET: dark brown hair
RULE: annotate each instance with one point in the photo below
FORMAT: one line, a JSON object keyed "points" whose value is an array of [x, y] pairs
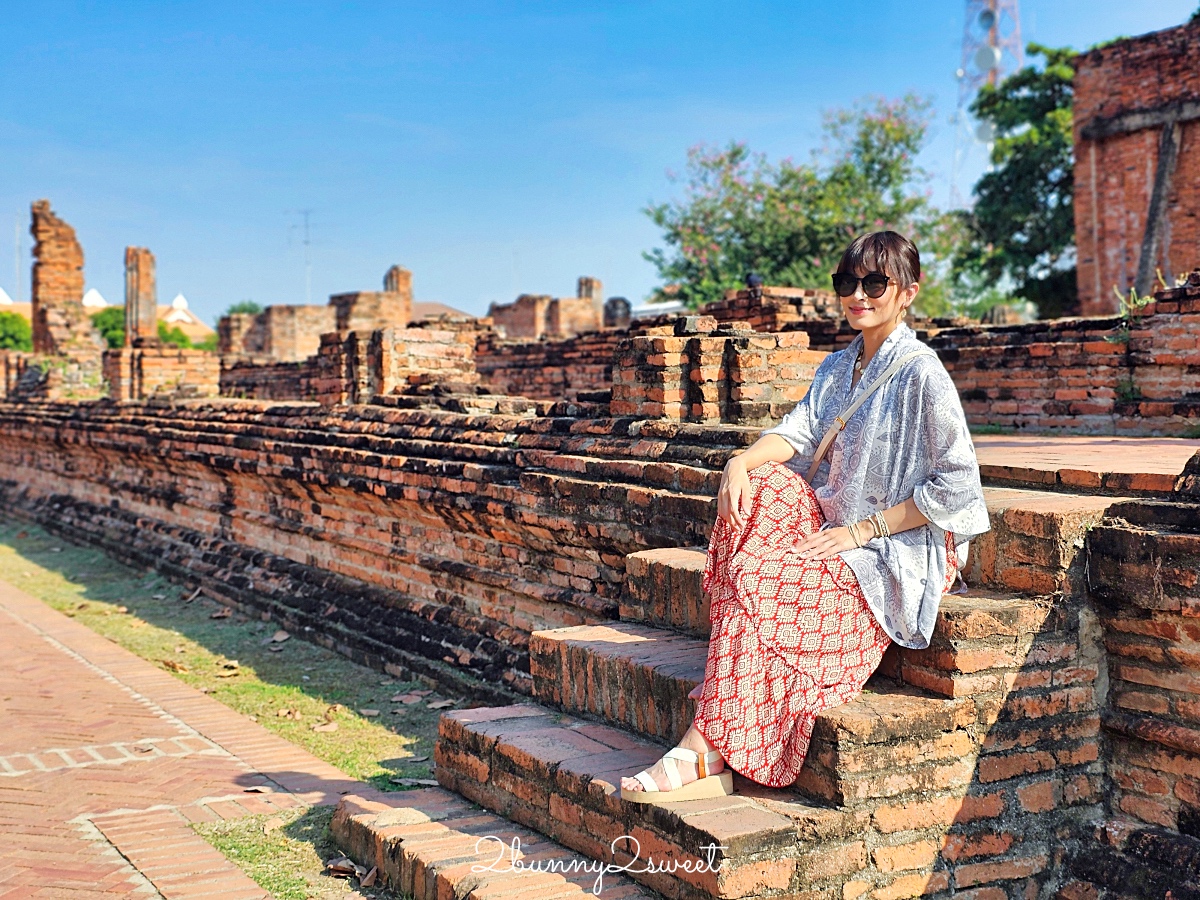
{"points": [[883, 251]]}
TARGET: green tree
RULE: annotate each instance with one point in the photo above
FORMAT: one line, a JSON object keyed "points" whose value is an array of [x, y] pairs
{"points": [[1021, 232], [210, 343], [173, 337], [110, 322], [790, 221], [15, 332], [244, 306]]}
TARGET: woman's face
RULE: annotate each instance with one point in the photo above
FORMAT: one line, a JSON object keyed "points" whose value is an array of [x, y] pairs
{"points": [[863, 312]]}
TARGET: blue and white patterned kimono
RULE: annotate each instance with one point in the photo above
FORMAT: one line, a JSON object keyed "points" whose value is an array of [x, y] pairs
{"points": [[910, 439]]}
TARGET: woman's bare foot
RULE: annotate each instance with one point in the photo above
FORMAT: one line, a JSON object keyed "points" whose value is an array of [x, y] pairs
{"points": [[688, 772]]}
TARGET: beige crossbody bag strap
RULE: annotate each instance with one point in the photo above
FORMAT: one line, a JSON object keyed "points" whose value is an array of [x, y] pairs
{"points": [[840, 422]]}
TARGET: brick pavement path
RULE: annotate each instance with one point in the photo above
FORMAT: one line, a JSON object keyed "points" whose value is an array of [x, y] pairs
{"points": [[105, 759]]}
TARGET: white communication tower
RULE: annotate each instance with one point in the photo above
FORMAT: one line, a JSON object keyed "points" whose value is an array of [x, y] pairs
{"points": [[991, 50]]}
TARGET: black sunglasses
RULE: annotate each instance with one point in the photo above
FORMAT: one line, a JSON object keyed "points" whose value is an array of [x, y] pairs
{"points": [[874, 284]]}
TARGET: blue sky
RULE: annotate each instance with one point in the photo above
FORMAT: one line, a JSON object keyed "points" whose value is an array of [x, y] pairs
{"points": [[492, 148]]}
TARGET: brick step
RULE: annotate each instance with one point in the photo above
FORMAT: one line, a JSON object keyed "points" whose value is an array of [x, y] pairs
{"points": [[430, 845], [560, 775], [981, 637], [1146, 554], [1035, 547], [638, 678]]}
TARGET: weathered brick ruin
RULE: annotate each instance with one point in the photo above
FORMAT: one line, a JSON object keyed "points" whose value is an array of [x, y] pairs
{"points": [[535, 316], [1137, 164], [60, 323], [141, 298]]}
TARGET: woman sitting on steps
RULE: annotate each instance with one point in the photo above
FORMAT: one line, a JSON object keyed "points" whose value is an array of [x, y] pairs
{"points": [[811, 577]]}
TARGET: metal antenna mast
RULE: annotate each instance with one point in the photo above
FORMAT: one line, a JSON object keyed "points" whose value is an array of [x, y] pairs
{"points": [[305, 213], [17, 260], [991, 50]]}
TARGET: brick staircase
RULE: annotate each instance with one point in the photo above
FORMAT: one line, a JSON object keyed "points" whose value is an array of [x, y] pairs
{"points": [[952, 772]]}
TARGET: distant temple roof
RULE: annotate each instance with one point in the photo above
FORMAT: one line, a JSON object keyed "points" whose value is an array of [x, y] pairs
{"points": [[5, 300], [93, 298]]}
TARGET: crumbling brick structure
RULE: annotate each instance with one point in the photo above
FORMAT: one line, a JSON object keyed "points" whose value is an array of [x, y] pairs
{"points": [[702, 372], [1114, 375], [60, 322], [293, 333], [1137, 164], [277, 334], [367, 310], [536, 316], [542, 557], [141, 298], [138, 373]]}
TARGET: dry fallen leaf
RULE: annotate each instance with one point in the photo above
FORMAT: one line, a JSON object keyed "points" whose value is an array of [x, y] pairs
{"points": [[368, 880], [422, 693], [369, 713], [276, 648], [230, 664], [160, 597], [288, 713], [122, 609], [228, 673], [279, 637], [142, 748], [272, 824], [179, 648], [414, 759], [343, 866], [440, 704], [333, 710], [223, 613], [406, 699], [173, 666], [413, 782], [192, 596], [326, 726], [83, 605]]}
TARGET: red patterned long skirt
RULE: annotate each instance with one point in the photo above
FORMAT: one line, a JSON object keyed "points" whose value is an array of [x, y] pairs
{"points": [[790, 637]]}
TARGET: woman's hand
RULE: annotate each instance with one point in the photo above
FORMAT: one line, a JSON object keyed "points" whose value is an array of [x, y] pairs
{"points": [[826, 544], [733, 497]]}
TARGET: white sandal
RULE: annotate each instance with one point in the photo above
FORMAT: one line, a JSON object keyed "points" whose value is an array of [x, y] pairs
{"points": [[707, 785]]}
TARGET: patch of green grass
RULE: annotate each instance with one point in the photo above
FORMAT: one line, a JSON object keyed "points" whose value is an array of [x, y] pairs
{"points": [[148, 615], [285, 852], [991, 429]]}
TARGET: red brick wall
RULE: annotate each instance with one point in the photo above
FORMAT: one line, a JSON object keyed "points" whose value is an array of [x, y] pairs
{"points": [[1114, 174], [269, 380], [1081, 376], [548, 370], [278, 333], [138, 373]]}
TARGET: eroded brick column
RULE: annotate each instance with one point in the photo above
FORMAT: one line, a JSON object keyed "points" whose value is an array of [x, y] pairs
{"points": [[60, 322], [141, 298]]}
